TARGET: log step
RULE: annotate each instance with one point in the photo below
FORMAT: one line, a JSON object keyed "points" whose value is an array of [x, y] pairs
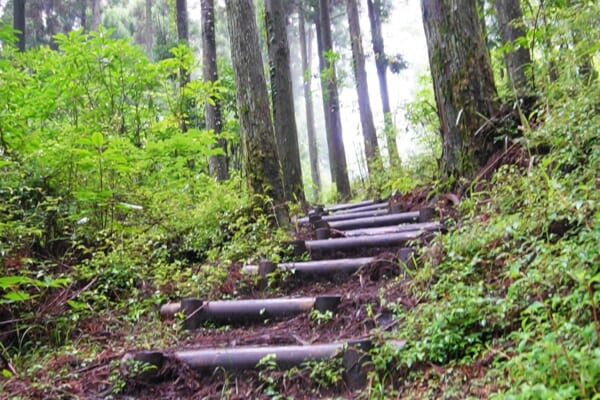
{"points": [[423, 215], [342, 216], [371, 207], [386, 240], [197, 311], [382, 230], [330, 267], [347, 206], [247, 357], [355, 357]]}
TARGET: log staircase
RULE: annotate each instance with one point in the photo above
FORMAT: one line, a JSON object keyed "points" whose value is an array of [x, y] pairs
{"points": [[338, 230]]}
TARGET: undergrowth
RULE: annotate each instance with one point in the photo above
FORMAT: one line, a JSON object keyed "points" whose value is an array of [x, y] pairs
{"points": [[106, 207], [508, 300]]}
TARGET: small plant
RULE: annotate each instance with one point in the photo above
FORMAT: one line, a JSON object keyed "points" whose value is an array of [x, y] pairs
{"points": [[128, 369], [321, 317], [271, 377], [325, 373], [276, 278]]}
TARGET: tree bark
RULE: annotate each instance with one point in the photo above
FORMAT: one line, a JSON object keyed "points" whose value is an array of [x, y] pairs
{"points": [[181, 17], [305, 50], [463, 83], [517, 60], [83, 16], [148, 35], [333, 105], [258, 138], [217, 164], [19, 22], [373, 7], [326, 113], [96, 14], [362, 89], [182, 21], [282, 96]]}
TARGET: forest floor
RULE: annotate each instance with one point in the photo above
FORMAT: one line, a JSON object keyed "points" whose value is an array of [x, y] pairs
{"points": [[361, 314], [459, 303]]}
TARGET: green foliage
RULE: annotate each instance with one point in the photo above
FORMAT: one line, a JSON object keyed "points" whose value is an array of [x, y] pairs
{"points": [[330, 74], [521, 271], [12, 284], [424, 125], [320, 317], [272, 378], [557, 345], [421, 166], [382, 359], [323, 374], [103, 199], [559, 32]]}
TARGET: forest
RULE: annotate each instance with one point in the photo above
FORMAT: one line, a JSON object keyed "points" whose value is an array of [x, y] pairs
{"points": [[157, 152]]}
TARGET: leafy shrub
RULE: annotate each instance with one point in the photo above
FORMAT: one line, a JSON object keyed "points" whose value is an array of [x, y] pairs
{"points": [[101, 189]]}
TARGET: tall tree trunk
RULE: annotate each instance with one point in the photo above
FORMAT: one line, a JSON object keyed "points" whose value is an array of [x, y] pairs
{"points": [[305, 50], [19, 22], [362, 88], [333, 106], [326, 114], [282, 96], [181, 17], [258, 138], [96, 14], [217, 164], [518, 60], [148, 35], [463, 83], [374, 7], [182, 21], [52, 23], [83, 16]]}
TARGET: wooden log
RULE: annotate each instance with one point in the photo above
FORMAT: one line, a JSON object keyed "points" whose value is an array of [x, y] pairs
{"points": [[373, 221], [393, 239], [346, 216], [330, 267], [324, 267], [313, 218], [381, 230], [247, 357], [197, 312], [320, 224], [327, 267], [371, 207], [322, 233], [264, 269], [347, 206], [355, 357]]}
